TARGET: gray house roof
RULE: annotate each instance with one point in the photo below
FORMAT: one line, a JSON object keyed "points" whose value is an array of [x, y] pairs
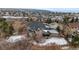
{"points": [[35, 25]]}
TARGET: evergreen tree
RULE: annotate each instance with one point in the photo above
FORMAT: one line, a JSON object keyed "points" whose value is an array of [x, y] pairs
{"points": [[66, 20], [49, 20], [75, 40], [5, 28]]}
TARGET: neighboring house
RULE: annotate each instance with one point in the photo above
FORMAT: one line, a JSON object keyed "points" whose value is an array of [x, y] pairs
{"points": [[10, 18], [53, 25], [34, 18], [57, 18]]}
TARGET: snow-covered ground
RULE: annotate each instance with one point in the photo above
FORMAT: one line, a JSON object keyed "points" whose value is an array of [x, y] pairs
{"points": [[66, 47], [16, 38], [58, 41], [45, 42]]}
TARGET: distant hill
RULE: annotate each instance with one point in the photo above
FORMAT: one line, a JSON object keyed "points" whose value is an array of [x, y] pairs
{"points": [[26, 10]]}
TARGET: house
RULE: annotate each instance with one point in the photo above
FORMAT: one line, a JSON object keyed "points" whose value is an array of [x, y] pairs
{"points": [[13, 17], [34, 26], [57, 18], [10, 18], [53, 25]]}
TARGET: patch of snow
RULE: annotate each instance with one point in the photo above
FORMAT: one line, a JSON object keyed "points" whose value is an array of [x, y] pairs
{"points": [[58, 41], [66, 47], [16, 38]]}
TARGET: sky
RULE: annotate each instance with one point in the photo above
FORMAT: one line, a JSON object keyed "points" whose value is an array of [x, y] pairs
{"points": [[63, 9], [39, 3], [67, 5]]}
